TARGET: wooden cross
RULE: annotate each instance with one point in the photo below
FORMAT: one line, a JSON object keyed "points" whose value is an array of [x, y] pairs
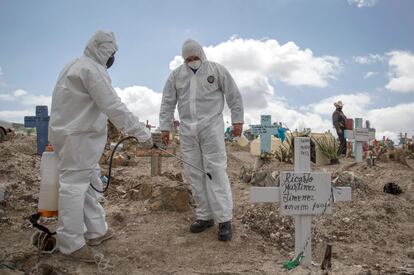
{"points": [[265, 130], [41, 123], [359, 135], [302, 193], [155, 154], [149, 126]]}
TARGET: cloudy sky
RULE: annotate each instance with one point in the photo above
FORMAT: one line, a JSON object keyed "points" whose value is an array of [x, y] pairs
{"points": [[290, 58]]}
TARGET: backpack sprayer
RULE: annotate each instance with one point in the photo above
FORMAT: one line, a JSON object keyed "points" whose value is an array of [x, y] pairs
{"points": [[49, 193]]}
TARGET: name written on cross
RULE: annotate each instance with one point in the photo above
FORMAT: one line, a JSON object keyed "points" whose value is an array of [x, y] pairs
{"points": [[305, 193]]}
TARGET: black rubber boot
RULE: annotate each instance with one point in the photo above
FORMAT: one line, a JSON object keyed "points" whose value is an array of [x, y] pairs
{"points": [[200, 225], [225, 232]]}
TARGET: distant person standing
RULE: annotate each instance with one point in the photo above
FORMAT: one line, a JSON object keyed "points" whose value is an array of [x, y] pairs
{"points": [[339, 123]]}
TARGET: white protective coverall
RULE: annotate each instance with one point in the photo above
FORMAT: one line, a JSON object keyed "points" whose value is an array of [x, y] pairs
{"points": [[82, 101], [200, 97]]}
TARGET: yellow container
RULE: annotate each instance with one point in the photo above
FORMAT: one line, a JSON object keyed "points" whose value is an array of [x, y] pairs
{"points": [[255, 146], [242, 141]]}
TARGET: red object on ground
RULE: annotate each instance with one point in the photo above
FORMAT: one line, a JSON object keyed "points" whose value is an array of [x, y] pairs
{"points": [[349, 124]]}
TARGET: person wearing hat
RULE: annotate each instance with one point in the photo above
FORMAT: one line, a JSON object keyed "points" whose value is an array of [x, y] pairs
{"points": [[339, 123]]}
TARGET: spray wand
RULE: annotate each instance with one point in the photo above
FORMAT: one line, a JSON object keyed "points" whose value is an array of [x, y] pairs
{"points": [[155, 146], [189, 164]]}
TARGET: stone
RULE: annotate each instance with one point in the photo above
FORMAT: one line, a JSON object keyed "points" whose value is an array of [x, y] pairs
{"points": [[132, 162], [133, 194], [175, 198], [265, 179], [145, 191], [156, 206], [245, 174], [156, 191], [120, 189], [120, 160], [116, 161]]}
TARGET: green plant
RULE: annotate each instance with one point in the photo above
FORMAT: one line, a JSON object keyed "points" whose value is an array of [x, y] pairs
{"points": [[285, 151], [328, 146]]}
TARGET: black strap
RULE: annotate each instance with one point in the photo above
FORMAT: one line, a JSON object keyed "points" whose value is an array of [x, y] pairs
{"points": [[34, 220]]}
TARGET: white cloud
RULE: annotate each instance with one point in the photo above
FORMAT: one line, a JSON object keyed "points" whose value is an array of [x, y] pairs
{"points": [[286, 63], [370, 74], [25, 98], [363, 3], [33, 100], [19, 92], [355, 105], [13, 96], [368, 59], [15, 116], [401, 66], [142, 102], [390, 121], [177, 61], [7, 97]]}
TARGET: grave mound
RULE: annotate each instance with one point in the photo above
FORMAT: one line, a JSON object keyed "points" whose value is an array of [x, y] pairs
{"points": [[273, 227], [158, 193]]}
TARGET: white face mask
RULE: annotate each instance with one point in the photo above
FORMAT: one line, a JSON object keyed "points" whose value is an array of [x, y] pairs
{"points": [[194, 64]]}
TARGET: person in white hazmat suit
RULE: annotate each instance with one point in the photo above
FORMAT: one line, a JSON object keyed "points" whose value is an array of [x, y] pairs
{"points": [[82, 101], [200, 88]]}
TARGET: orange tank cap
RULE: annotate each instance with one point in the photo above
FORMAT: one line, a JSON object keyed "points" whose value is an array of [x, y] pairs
{"points": [[48, 214]]}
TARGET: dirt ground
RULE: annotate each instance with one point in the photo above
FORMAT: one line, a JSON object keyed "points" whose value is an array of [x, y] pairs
{"points": [[372, 234]]}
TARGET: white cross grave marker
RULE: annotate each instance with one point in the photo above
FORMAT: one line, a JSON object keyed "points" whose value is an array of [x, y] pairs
{"points": [[302, 193], [359, 135]]}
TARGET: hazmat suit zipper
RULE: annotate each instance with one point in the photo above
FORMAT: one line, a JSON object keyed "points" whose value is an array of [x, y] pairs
{"points": [[193, 105]]}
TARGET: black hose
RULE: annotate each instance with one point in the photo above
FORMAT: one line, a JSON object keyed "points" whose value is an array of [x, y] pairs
{"points": [[110, 165], [155, 147]]}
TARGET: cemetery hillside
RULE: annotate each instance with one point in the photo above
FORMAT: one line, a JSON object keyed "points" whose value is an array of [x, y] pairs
{"points": [[240, 137], [299, 208]]}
